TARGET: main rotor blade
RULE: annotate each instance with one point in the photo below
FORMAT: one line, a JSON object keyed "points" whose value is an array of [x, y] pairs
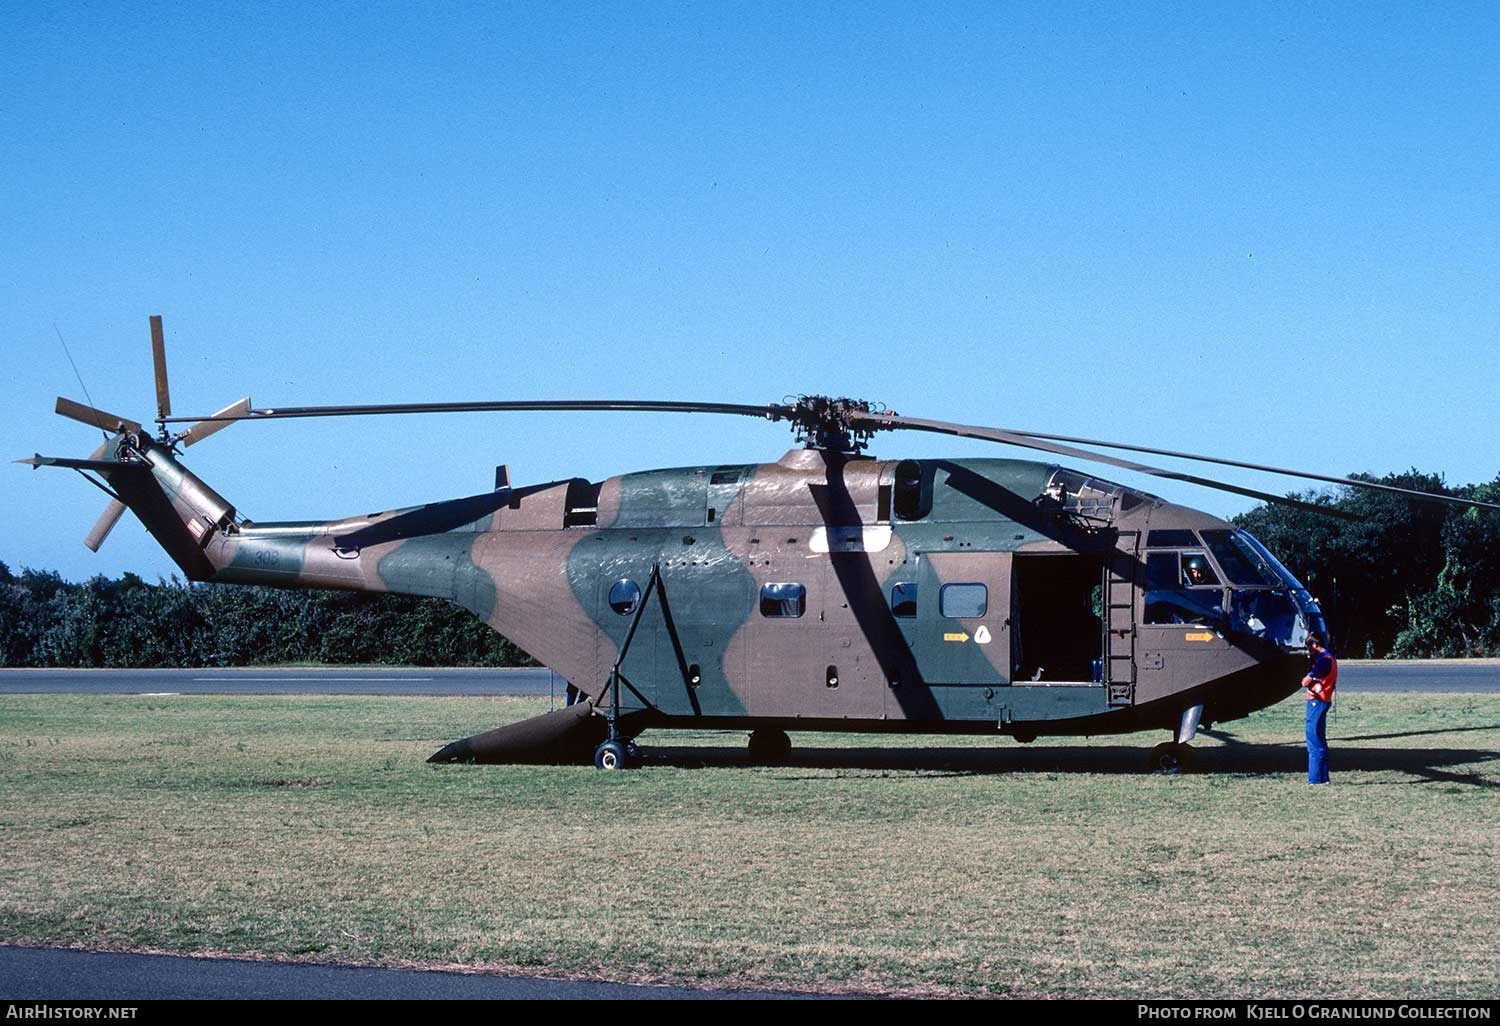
{"points": [[856, 418], [95, 417], [1332, 479], [769, 412], [159, 362], [218, 422], [891, 420], [105, 524]]}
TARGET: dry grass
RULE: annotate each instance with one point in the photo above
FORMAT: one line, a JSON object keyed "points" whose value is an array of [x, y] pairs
{"points": [[311, 828]]}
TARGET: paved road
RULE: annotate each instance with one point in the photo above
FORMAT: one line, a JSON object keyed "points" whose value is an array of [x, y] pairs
{"points": [[1354, 675], [41, 974], [1420, 675]]}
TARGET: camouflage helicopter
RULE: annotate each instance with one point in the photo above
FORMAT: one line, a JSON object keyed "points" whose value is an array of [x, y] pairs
{"points": [[829, 590]]}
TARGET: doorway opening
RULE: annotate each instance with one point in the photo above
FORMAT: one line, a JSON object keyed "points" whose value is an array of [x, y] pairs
{"points": [[1057, 630]]}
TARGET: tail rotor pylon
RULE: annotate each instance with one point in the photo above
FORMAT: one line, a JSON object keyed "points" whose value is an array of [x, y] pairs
{"points": [[126, 441]]}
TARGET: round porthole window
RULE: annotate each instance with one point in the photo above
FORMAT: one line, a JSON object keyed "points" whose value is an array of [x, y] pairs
{"points": [[624, 596]]}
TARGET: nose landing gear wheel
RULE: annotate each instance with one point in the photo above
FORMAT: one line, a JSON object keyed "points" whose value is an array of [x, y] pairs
{"points": [[1170, 758]]}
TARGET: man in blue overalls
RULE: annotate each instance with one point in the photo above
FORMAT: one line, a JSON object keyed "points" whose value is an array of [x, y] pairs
{"points": [[1319, 683]]}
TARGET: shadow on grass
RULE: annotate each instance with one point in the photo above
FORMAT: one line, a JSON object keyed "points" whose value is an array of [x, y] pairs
{"points": [[1417, 733], [1447, 765]]}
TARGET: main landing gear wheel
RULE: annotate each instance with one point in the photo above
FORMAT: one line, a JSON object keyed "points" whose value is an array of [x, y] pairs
{"points": [[769, 745], [1171, 758], [613, 755]]}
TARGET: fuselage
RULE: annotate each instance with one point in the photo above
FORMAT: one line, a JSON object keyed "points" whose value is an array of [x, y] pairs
{"points": [[829, 591]]}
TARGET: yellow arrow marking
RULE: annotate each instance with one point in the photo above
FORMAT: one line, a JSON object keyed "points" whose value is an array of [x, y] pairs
{"points": [[1205, 636], [960, 636]]}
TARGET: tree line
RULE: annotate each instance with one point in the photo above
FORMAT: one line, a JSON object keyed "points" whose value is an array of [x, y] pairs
{"points": [[1400, 579], [1404, 579], [126, 622]]}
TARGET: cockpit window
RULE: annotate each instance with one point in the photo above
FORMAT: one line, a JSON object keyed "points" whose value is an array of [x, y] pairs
{"points": [[1196, 572], [1174, 538], [1263, 598], [1181, 587], [1270, 614], [1241, 562]]}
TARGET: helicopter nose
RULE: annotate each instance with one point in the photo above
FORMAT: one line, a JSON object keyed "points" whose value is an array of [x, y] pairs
{"points": [[563, 735]]}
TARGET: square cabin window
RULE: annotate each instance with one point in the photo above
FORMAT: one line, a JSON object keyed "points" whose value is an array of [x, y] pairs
{"points": [[963, 601], [783, 600]]}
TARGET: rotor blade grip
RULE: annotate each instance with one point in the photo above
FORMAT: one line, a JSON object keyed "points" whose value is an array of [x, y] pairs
{"points": [[159, 360], [104, 525]]}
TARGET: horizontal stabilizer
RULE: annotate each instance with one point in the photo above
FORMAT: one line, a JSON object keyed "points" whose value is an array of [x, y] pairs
{"points": [[63, 461]]}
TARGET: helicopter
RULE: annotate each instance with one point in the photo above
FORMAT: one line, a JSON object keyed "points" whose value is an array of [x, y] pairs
{"points": [[828, 590]]}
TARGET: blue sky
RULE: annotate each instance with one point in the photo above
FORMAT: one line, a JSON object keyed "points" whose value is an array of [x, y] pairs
{"points": [[1266, 231]]}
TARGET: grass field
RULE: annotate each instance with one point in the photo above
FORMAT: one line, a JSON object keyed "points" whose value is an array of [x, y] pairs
{"points": [[310, 828]]}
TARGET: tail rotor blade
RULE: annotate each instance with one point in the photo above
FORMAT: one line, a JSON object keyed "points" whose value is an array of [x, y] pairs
{"points": [[218, 422], [104, 525], [97, 418], [159, 359]]}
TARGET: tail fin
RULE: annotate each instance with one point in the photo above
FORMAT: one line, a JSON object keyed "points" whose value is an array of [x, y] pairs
{"points": [[142, 473], [182, 513]]}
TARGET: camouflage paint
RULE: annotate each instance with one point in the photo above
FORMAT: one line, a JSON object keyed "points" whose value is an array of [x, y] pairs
{"points": [[537, 564]]}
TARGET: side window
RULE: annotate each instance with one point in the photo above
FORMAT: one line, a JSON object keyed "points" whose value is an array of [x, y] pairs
{"points": [[783, 600], [1162, 570], [624, 596], [1196, 572], [904, 600], [1181, 587], [963, 601]]}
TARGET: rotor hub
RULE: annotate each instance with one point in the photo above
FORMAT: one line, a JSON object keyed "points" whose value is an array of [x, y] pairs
{"points": [[828, 423]]}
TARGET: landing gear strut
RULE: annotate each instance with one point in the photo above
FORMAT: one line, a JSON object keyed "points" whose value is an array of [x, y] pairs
{"points": [[619, 751], [1176, 756]]}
